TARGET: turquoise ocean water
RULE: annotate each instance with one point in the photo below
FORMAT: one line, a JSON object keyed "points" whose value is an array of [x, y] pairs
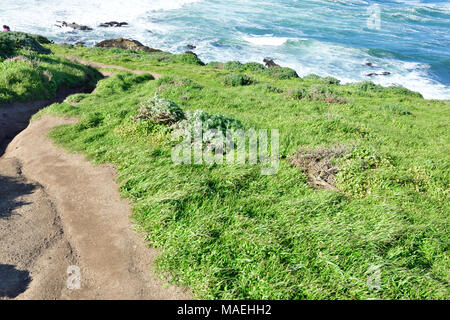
{"points": [[326, 37]]}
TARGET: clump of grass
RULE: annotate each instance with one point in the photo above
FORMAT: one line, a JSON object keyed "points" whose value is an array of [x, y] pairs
{"points": [[233, 66], [76, 98], [367, 86], [331, 80], [312, 76], [208, 121], [15, 43], [91, 120], [271, 88], [398, 90], [298, 93], [187, 58], [316, 92], [159, 110], [215, 65], [254, 67], [396, 109], [179, 82], [281, 73], [236, 80], [26, 77]]}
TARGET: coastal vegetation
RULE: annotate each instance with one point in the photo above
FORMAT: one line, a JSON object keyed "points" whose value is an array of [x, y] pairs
{"points": [[362, 185], [28, 71]]}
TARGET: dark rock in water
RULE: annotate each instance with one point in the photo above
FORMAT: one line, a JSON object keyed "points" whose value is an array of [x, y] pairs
{"points": [[73, 25], [126, 44], [113, 24], [79, 43], [190, 52], [369, 64], [270, 63], [191, 46], [385, 73]]}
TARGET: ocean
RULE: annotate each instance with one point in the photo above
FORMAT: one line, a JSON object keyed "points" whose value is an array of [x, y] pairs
{"points": [[408, 39]]}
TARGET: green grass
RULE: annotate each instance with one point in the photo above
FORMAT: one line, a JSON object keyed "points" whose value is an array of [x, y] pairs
{"points": [[227, 232], [29, 72]]}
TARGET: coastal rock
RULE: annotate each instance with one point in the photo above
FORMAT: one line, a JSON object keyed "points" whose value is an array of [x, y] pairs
{"points": [[373, 74], [270, 63], [73, 25], [126, 44], [191, 46], [113, 24]]}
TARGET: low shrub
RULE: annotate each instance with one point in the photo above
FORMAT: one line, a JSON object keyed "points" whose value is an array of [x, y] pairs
{"points": [[367, 86], [270, 88], [215, 65], [160, 110], [298, 93], [396, 109], [187, 58], [235, 80], [403, 91], [312, 76], [233, 66], [331, 80], [282, 73], [254, 67]]}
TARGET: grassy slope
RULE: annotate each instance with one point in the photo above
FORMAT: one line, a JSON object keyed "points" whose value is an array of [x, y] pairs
{"points": [[36, 74], [228, 232]]}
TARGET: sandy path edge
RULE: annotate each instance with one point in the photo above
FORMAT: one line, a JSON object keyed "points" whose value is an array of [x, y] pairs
{"points": [[114, 261]]}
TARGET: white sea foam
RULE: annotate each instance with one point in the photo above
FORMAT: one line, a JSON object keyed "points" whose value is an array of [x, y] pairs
{"points": [[266, 40], [26, 13]]}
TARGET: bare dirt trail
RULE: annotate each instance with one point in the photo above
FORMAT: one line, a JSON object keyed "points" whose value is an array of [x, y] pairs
{"points": [[58, 210]]}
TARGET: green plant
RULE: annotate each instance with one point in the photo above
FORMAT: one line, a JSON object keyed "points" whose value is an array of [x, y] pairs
{"points": [[270, 88], [236, 80], [397, 109], [367, 86], [233, 66], [282, 73], [331, 80], [298, 93], [160, 110], [15, 43]]}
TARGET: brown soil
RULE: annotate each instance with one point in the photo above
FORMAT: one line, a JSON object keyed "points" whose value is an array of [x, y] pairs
{"points": [[318, 165]]}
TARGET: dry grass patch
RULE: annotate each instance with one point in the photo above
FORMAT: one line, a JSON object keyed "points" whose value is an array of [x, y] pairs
{"points": [[319, 166]]}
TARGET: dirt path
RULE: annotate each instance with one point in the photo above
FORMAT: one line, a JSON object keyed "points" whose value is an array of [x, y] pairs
{"points": [[58, 210], [62, 211], [109, 66]]}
